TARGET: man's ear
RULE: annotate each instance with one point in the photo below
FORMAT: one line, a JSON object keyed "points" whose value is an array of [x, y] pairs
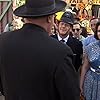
{"points": [[81, 30], [49, 18]]}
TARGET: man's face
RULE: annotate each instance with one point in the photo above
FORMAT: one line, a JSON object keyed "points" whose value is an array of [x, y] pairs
{"points": [[63, 28], [76, 31], [93, 24], [50, 23]]}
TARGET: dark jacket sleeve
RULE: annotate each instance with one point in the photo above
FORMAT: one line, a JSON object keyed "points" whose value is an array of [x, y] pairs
{"points": [[67, 80]]}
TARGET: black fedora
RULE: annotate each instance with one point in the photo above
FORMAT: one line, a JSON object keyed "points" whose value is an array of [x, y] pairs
{"points": [[37, 8]]}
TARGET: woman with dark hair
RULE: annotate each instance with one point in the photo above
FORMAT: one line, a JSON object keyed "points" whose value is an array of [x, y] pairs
{"points": [[97, 33], [84, 32], [90, 73]]}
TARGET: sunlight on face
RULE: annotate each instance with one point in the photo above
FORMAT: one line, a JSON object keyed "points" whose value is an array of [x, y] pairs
{"points": [[76, 31], [63, 28]]}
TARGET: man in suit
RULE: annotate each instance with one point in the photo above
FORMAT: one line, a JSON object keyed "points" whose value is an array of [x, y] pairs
{"points": [[33, 65], [64, 24]]}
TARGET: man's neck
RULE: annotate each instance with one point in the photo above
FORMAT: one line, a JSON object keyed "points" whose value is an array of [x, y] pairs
{"points": [[36, 22], [63, 36]]}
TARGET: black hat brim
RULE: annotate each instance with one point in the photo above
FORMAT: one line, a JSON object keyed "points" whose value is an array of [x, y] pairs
{"points": [[23, 12]]}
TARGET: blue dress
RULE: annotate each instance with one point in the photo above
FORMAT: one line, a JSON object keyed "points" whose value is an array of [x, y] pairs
{"points": [[92, 79]]}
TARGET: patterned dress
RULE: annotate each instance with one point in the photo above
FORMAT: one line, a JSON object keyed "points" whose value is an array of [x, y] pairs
{"points": [[92, 79]]}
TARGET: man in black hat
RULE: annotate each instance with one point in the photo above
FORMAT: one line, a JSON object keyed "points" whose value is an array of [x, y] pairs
{"points": [[34, 66], [65, 23]]}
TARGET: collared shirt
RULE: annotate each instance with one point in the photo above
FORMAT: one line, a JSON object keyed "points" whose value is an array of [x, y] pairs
{"points": [[65, 39]]}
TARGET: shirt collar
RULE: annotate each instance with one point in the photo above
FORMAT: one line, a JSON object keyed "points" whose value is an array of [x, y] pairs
{"points": [[66, 38]]}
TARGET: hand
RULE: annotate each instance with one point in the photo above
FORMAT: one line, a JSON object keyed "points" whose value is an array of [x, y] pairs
{"points": [[81, 89]]}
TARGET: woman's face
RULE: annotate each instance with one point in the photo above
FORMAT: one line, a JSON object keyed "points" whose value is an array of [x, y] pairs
{"points": [[98, 32]]}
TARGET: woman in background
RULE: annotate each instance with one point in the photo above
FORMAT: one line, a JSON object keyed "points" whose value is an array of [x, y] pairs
{"points": [[90, 73]]}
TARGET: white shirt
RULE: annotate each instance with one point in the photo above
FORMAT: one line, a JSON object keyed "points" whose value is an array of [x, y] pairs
{"points": [[65, 39]]}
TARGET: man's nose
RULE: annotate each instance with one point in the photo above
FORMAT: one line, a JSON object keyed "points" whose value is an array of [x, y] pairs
{"points": [[63, 25], [75, 31]]}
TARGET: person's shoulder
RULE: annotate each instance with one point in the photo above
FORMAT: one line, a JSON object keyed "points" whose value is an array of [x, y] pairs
{"points": [[89, 37], [8, 34], [59, 45], [93, 44], [73, 38], [76, 41], [58, 51], [53, 35], [5, 34]]}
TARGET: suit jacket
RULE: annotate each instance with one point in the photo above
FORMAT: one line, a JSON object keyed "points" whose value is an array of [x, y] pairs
{"points": [[77, 48], [35, 66]]}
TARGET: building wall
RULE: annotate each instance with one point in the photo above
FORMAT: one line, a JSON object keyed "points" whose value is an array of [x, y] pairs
{"points": [[85, 1], [8, 16], [76, 1]]}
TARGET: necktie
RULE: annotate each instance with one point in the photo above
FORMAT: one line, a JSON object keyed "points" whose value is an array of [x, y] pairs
{"points": [[63, 41]]}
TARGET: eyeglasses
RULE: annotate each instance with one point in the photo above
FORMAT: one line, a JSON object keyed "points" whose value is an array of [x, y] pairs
{"points": [[98, 30], [76, 30]]}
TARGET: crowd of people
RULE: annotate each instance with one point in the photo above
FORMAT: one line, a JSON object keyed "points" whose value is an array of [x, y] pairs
{"points": [[52, 56]]}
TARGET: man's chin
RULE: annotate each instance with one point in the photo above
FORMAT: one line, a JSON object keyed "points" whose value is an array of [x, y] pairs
{"points": [[63, 34]]}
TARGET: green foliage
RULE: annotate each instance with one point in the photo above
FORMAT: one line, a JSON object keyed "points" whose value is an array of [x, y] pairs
{"points": [[20, 2]]}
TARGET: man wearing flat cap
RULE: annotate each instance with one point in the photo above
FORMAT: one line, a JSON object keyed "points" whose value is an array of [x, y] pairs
{"points": [[34, 66]]}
